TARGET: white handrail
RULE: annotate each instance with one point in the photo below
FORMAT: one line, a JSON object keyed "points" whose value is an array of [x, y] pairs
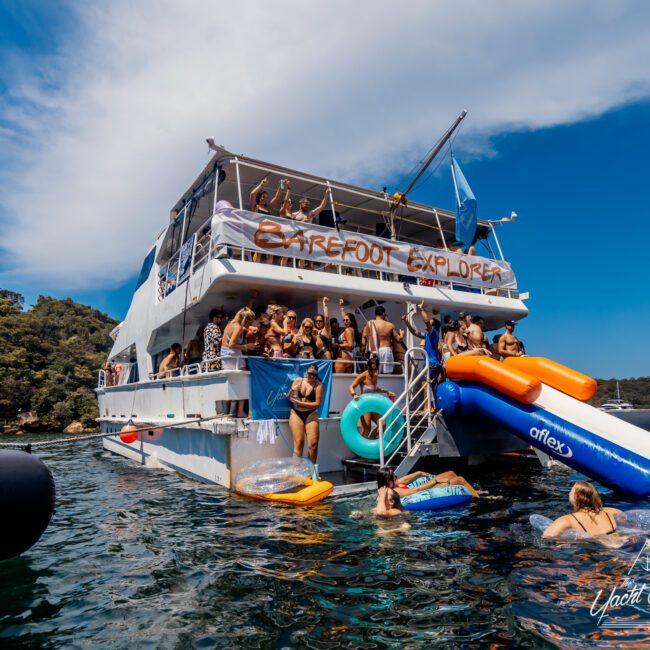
{"points": [[411, 355]]}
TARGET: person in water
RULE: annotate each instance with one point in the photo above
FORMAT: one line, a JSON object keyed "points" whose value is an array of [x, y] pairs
{"points": [[305, 395], [390, 489], [588, 516]]}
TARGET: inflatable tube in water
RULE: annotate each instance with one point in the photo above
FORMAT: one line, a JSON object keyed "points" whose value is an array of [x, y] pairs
{"points": [[370, 403], [437, 498], [273, 475], [635, 521], [26, 501], [541, 523], [303, 495]]}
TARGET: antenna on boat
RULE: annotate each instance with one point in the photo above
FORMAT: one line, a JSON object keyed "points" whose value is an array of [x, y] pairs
{"points": [[399, 198]]}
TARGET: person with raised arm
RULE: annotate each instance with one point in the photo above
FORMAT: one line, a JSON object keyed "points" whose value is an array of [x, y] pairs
{"points": [[346, 344], [259, 202], [305, 214], [323, 330]]}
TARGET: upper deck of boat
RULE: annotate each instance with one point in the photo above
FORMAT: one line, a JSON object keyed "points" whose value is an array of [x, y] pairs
{"points": [[188, 255]]}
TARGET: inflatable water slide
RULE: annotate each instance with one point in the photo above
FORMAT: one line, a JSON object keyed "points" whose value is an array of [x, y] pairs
{"points": [[542, 402]]}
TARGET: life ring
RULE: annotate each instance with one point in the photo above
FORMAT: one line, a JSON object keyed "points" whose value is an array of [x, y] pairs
{"points": [[437, 498], [371, 403]]}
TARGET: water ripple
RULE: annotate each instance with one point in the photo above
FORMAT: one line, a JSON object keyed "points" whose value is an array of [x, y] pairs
{"points": [[142, 557]]}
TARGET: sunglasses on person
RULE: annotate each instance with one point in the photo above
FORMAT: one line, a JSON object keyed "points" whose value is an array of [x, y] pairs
{"points": [[312, 374], [318, 320], [291, 317], [307, 327]]}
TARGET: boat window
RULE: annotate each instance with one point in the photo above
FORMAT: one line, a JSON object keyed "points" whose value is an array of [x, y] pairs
{"points": [[146, 268]]}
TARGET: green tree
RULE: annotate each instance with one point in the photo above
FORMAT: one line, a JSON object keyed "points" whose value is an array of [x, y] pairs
{"points": [[49, 357]]}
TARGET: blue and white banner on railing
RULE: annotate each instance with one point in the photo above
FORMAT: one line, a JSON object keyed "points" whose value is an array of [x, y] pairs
{"points": [[185, 258], [271, 380], [324, 245]]}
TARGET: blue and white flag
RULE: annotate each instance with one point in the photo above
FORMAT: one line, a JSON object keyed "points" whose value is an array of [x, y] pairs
{"points": [[465, 208], [271, 380]]}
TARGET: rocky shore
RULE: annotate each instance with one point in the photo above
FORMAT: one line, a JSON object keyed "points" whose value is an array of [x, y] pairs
{"points": [[30, 422]]}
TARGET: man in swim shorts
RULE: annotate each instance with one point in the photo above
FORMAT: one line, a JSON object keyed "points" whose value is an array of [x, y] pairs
{"points": [[509, 345], [378, 335]]}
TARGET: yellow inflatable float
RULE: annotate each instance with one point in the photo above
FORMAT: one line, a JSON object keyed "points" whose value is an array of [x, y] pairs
{"points": [[303, 495]]}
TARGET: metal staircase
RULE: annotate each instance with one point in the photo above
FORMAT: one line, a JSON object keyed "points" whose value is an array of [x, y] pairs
{"points": [[418, 431]]}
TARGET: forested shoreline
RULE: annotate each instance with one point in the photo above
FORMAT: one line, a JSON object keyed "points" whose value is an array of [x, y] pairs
{"points": [[51, 352], [49, 358]]}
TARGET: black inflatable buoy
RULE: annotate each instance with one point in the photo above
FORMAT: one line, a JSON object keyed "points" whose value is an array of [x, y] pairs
{"points": [[27, 496]]}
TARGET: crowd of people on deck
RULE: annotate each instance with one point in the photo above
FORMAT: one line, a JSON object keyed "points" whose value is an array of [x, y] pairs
{"points": [[277, 332]]}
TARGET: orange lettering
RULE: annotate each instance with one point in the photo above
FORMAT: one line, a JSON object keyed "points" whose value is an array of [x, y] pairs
{"points": [[317, 240], [362, 257], [334, 245], [413, 261], [388, 250], [272, 229]]}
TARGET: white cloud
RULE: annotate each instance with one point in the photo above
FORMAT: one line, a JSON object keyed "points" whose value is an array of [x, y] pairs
{"points": [[99, 141]]}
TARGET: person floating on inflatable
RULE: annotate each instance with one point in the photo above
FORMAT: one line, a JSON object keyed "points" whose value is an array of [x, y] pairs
{"points": [[391, 489], [368, 381], [588, 516]]}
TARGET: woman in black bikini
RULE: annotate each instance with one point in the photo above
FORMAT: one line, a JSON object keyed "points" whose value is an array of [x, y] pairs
{"points": [[588, 514], [259, 202], [306, 345], [305, 395]]}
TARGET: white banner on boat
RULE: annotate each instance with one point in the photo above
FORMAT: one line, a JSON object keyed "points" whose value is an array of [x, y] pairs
{"points": [[289, 238]]}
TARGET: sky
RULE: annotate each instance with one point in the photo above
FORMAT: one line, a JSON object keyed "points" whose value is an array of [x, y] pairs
{"points": [[105, 107]]}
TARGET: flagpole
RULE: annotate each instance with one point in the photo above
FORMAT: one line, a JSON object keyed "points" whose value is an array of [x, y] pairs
{"points": [[400, 197]]}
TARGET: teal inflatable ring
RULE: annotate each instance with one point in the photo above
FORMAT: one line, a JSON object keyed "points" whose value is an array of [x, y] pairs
{"points": [[370, 403]]}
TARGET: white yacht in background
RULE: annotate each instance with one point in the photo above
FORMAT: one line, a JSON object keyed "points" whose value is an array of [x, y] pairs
{"points": [[365, 248], [617, 404]]}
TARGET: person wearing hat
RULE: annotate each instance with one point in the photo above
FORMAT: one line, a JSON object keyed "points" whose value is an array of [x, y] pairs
{"points": [[509, 344]]}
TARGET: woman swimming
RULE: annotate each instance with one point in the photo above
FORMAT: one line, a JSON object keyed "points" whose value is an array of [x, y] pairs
{"points": [[391, 489], [588, 516]]}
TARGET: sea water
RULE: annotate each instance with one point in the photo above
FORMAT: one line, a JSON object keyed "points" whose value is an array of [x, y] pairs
{"points": [[141, 557]]}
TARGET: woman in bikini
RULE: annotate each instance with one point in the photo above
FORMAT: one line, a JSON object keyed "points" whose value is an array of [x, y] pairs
{"points": [[588, 514], [305, 395], [232, 351], [367, 381], [276, 332], [346, 344], [259, 202], [390, 489], [306, 344]]}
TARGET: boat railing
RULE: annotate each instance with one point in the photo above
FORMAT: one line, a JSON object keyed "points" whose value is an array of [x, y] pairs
{"points": [[204, 247], [203, 369], [413, 407]]}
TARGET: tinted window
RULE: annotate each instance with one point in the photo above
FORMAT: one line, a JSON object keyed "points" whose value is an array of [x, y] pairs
{"points": [[146, 268]]}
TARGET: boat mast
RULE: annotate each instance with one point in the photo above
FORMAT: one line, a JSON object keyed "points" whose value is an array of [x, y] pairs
{"points": [[400, 197]]}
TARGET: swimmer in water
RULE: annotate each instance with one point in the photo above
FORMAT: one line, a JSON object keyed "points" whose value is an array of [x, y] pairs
{"points": [[391, 489], [588, 516]]}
